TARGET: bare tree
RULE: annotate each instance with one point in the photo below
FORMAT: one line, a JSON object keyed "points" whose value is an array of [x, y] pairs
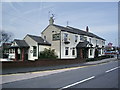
{"points": [[5, 36]]}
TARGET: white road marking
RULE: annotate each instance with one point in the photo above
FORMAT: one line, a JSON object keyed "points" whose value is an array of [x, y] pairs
{"points": [[112, 69], [77, 83]]}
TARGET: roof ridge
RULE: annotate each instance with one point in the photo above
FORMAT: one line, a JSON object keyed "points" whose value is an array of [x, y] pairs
{"points": [[33, 35], [78, 31], [17, 39]]}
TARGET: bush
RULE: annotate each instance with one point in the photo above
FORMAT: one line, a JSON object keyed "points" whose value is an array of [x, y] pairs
{"points": [[48, 53], [99, 58]]}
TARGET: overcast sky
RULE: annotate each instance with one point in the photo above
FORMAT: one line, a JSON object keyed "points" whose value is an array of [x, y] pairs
{"points": [[23, 18]]}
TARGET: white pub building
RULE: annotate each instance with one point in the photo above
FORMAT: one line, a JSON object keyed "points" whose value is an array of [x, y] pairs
{"points": [[68, 43]]}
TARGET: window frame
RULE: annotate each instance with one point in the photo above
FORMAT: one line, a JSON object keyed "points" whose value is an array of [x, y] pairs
{"points": [[90, 40], [76, 38], [82, 37], [65, 36], [66, 51], [73, 51], [34, 51], [91, 52], [56, 36]]}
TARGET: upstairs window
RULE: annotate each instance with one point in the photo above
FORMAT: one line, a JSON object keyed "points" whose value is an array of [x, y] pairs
{"points": [[34, 51], [45, 37], [90, 40], [76, 38], [66, 50], [96, 42], [103, 43], [56, 36], [82, 37], [85, 38], [65, 36]]}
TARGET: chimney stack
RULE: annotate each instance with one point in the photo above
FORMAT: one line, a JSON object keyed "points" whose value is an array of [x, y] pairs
{"points": [[51, 21], [87, 29]]}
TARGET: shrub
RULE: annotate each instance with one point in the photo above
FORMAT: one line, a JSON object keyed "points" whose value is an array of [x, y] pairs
{"points": [[99, 58], [48, 53]]}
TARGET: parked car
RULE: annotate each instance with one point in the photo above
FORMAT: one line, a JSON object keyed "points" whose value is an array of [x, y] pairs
{"points": [[110, 52]]}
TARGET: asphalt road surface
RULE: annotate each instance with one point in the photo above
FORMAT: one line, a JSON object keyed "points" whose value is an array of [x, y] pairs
{"points": [[103, 75]]}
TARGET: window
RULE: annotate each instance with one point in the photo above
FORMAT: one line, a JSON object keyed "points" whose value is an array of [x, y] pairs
{"points": [[4, 51], [103, 43], [102, 51], [34, 51], [56, 36], [81, 37], [76, 38], [90, 40], [7, 51], [85, 38], [91, 50], [65, 36], [66, 50], [99, 51], [10, 50], [44, 37], [73, 51], [13, 50], [96, 42]]}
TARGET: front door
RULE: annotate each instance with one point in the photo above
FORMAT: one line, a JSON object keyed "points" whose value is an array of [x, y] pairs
{"points": [[85, 52], [82, 53], [79, 53]]}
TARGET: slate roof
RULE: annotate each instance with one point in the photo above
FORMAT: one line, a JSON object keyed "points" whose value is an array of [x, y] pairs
{"points": [[40, 40], [77, 31], [5, 45], [21, 43], [82, 44]]}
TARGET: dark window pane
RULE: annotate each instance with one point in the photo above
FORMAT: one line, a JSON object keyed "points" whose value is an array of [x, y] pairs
{"points": [[34, 51]]}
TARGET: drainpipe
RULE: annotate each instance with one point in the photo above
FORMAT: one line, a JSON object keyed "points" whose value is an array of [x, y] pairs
{"points": [[60, 44], [16, 54], [38, 50]]}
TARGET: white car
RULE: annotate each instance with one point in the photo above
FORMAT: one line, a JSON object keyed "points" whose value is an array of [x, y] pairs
{"points": [[5, 59]]}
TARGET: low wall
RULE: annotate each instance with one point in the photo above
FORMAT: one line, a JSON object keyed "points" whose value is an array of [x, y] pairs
{"points": [[39, 63]]}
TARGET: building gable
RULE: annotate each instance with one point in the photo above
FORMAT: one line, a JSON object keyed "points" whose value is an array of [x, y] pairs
{"points": [[37, 40], [19, 43]]}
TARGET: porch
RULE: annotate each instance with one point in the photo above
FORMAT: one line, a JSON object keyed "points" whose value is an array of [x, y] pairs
{"points": [[83, 49], [19, 53]]}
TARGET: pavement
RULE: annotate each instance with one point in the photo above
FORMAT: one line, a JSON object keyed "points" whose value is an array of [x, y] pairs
{"points": [[102, 74], [32, 69]]}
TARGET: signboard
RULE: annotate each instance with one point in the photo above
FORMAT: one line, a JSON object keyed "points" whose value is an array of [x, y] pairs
{"points": [[110, 44]]}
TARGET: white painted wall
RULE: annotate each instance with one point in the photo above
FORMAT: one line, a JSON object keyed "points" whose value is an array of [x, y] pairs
{"points": [[71, 38], [72, 44], [48, 32], [42, 47], [31, 43]]}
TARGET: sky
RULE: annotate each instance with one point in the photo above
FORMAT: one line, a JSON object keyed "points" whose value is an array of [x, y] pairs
{"points": [[22, 18]]}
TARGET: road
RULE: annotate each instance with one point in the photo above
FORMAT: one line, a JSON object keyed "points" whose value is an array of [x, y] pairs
{"points": [[103, 75]]}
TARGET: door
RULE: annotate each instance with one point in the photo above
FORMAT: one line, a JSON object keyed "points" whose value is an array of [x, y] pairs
{"points": [[85, 52]]}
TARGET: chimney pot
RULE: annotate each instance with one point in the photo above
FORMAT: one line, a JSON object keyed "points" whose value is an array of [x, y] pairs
{"points": [[87, 29]]}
